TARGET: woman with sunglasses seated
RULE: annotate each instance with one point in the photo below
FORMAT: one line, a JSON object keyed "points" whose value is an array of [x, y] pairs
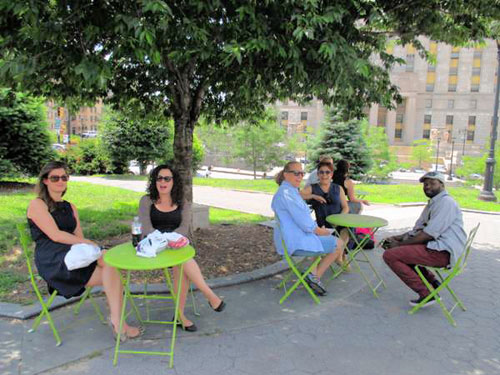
{"points": [[301, 234], [55, 227], [326, 199], [165, 209]]}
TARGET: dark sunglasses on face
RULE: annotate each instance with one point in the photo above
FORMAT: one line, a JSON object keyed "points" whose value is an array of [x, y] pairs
{"points": [[164, 178], [324, 172], [297, 173], [57, 178]]}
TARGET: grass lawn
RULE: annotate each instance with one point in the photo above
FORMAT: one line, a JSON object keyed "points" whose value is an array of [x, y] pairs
{"points": [[390, 194], [104, 212]]}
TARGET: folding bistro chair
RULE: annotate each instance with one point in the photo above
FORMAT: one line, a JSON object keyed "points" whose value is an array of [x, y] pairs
{"points": [[445, 275], [295, 269], [26, 243]]}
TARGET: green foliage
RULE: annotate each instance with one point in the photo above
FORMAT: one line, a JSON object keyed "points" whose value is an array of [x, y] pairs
{"points": [[87, 157], [477, 165], [25, 139], [341, 138], [421, 151], [384, 160], [133, 134], [261, 143], [224, 60]]}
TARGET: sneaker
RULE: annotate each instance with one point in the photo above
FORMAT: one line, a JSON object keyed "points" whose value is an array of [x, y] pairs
{"points": [[315, 284], [435, 284], [430, 302]]}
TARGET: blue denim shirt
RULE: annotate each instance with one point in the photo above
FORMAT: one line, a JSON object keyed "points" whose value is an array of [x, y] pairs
{"points": [[296, 222]]}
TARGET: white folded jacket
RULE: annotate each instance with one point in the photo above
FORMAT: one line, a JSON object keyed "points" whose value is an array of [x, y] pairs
{"points": [[81, 255], [155, 242]]}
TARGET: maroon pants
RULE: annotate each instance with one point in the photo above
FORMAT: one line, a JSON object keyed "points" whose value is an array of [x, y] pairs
{"points": [[402, 260]]}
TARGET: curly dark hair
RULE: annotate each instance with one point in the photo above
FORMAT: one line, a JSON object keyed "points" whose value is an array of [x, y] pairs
{"points": [[177, 192]]}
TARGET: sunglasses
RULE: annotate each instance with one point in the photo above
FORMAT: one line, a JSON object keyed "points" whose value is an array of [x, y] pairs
{"points": [[324, 172], [296, 173], [164, 178], [64, 178]]}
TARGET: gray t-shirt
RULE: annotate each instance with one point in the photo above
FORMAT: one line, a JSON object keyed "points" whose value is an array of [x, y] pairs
{"points": [[442, 219]]}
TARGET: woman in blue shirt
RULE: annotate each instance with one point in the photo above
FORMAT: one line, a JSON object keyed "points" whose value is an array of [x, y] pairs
{"points": [[300, 232]]}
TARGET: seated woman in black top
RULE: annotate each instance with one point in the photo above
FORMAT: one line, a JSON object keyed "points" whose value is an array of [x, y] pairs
{"points": [[326, 198], [166, 210], [341, 178], [55, 227]]}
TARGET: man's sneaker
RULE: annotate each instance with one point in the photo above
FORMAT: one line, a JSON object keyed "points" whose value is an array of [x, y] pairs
{"points": [[430, 302], [435, 284], [315, 284]]}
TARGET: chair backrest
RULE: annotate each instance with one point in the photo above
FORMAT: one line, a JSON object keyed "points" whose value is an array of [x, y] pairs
{"points": [[462, 261], [26, 244], [278, 226]]}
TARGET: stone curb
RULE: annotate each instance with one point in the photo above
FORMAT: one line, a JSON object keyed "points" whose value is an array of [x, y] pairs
{"points": [[17, 311]]}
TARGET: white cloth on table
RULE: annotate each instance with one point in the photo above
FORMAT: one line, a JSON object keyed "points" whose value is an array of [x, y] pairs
{"points": [[156, 242]]}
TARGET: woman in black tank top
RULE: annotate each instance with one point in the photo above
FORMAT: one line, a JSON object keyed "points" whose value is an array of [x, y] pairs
{"points": [[55, 227], [165, 209]]}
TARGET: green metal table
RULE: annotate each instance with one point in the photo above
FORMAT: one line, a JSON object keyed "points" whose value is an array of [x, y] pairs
{"points": [[123, 257], [351, 222]]}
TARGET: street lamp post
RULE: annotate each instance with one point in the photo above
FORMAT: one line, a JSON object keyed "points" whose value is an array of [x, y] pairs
{"points": [[487, 192], [463, 146], [450, 178]]}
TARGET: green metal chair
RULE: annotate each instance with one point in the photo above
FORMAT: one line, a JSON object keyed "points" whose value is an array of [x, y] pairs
{"points": [[446, 275], [295, 269], [26, 244]]}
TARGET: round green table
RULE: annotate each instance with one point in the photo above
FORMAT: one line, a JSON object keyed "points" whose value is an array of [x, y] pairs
{"points": [[123, 257], [351, 222]]}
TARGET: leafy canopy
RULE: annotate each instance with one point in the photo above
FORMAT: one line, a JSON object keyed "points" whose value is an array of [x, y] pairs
{"points": [[221, 58]]}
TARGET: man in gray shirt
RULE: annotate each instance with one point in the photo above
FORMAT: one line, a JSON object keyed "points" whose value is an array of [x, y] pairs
{"points": [[437, 239]]}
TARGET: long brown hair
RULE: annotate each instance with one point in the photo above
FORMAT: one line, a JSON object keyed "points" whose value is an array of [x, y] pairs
{"points": [[42, 190], [280, 177]]}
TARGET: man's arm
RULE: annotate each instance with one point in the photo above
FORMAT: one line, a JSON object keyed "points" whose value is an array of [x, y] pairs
{"points": [[419, 238]]}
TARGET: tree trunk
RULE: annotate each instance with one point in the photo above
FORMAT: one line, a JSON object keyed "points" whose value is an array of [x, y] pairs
{"points": [[183, 152]]}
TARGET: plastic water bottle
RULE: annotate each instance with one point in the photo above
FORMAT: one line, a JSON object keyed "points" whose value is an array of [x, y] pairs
{"points": [[136, 231]]}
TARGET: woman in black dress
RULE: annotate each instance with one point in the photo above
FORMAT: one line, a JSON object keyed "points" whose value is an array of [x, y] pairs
{"points": [[55, 227], [165, 209]]}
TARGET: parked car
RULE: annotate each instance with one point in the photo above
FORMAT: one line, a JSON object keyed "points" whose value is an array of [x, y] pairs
{"points": [[475, 176], [90, 134], [58, 147]]}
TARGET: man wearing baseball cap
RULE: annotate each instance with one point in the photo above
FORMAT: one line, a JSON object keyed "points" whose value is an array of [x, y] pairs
{"points": [[437, 239]]}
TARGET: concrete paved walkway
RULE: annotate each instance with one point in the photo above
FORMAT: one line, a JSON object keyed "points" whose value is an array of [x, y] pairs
{"points": [[350, 332]]}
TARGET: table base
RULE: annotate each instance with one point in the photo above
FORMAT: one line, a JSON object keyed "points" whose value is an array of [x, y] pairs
{"points": [[128, 297]]}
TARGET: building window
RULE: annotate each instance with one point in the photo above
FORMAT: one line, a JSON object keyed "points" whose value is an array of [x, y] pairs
{"points": [[470, 135], [473, 104], [398, 133], [410, 63], [303, 116], [451, 104], [381, 116], [428, 103], [431, 80], [427, 119], [476, 71], [426, 133], [472, 120], [449, 120], [284, 115], [455, 52]]}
